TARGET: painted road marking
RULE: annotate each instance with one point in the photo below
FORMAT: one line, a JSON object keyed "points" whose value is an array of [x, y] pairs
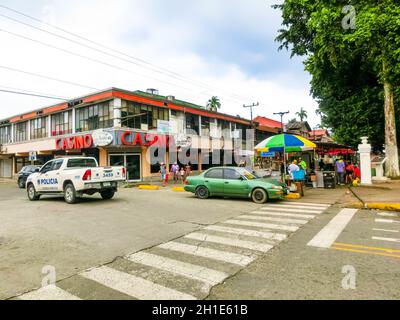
{"points": [[365, 249], [387, 214], [283, 214], [274, 209], [333, 229], [224, 256], [386, 221], [322, 205], [297, 207], [262, 225], [134, 286], [294, 221], [385, 230], [210, 276], [386, 239], [231, 242], [48, 293], [247, 232]]}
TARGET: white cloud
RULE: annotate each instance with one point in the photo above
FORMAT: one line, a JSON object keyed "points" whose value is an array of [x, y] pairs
{"points": [[168, 34]]}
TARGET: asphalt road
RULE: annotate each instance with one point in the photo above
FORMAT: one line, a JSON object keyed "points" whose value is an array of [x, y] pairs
{"points": [[169, 245]]}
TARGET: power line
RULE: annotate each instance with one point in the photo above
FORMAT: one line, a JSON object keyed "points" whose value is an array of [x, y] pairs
{"points": [[93, 59], [48, 78], [27, 91], [154, 67], [32, 94]]}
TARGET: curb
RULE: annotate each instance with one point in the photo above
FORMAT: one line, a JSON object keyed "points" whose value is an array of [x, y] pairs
{"points": [[178, 189], [293, 196], [376, 205], [148, 187]]}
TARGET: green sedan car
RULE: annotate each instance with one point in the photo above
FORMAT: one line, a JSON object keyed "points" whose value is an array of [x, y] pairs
{"points": [[234, 182]]}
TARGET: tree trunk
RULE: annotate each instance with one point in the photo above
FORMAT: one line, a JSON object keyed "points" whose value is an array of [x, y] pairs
{"points": [[392, 162]]}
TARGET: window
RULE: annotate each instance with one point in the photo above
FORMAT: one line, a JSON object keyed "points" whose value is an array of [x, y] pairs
{"points": [[81, 163], [94, 117], [21, 131], [134, 115], [39, 128], [214, 174], [205, 126], [61, 123], [192, 122], [57, 164], [232, 174], [5, 134], [47, 167]]}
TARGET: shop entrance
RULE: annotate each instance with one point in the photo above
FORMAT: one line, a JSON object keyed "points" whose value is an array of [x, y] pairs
{"points": [[132, 163]]}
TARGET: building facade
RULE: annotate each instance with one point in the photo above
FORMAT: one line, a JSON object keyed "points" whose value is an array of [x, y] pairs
{"points": [[132, 128]]}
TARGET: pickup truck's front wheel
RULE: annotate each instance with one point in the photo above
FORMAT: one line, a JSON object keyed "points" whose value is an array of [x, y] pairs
{"points": [[107, 194], [70, 194], [32, 194]]}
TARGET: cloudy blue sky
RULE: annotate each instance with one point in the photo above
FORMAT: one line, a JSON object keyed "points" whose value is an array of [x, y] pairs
{"points": [[224, 48]]}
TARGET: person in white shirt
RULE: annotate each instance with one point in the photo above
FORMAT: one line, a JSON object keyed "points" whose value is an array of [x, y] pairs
{"points": [[293, 167]]}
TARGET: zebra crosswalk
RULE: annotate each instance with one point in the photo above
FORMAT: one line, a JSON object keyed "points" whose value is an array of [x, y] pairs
{"points": [[188, 267]]}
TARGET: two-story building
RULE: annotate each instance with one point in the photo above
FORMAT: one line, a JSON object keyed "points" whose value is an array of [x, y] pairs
{"points": [[118, 127]]}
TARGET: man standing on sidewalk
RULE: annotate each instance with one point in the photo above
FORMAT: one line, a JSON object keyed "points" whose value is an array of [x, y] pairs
{"points": [[175, 172], [340, 167]]}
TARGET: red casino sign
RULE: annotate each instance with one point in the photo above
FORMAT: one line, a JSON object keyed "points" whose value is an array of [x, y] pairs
{"points": [[75, 142]]}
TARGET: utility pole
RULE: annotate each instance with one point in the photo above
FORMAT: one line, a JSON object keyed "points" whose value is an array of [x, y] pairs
{"points": [[251, 110], [282, 114]]}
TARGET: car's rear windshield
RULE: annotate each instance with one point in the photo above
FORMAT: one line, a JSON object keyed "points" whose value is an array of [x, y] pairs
{"points": [[81, 163]]}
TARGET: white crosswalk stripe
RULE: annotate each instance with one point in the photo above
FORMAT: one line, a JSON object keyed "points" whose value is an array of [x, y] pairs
{"points": [[283, 220], [168, 270], [134, 286], [311, 204], [247, 232], [209, 276], [283, 214], [387, 214], [386, 230], [262, 225], [386, 221], [224, 256], [283, 209], [232, 242], [319, 209], [48, 293]]}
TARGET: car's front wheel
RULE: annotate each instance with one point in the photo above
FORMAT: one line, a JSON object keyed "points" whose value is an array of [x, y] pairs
{"points": [[70, 194], [202, 192], [32, 194], [259, 196], [21, 183], [107, 194]]}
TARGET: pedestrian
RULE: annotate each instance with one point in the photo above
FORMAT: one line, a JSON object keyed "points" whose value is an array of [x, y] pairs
{"points": [[188, 170], [182, 173], [340, 170], [357, 172], [293, 167], [302, 164], [349, 172], [175, 172], [163, 172]]}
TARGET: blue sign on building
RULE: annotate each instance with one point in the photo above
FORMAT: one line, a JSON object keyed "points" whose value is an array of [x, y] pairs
{"points": [[267, 154]]}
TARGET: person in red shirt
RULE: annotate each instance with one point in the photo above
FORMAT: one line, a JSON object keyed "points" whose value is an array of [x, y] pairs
{"points": [[349, 172], [357, 172]]}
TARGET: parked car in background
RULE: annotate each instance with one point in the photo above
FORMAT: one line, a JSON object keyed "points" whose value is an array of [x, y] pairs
{"points": [[236, 183], [24, 174]]}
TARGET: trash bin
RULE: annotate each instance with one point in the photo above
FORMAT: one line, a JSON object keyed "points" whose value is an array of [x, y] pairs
{"points": [[329, 179]]}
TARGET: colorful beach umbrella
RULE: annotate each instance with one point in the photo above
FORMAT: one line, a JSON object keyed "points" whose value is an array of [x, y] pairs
{"points": [[285, 143]]}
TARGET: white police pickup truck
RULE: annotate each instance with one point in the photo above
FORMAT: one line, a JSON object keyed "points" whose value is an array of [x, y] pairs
{"points": [[73, 177]]}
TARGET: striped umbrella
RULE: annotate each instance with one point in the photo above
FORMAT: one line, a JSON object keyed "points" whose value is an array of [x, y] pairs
{"points": [[285, 143]]}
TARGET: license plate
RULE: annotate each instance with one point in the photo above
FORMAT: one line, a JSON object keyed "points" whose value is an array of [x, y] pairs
{"points": [[107, 184]]}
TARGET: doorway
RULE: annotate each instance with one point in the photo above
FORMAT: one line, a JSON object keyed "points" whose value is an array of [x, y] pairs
{"points": [[132, 163]]}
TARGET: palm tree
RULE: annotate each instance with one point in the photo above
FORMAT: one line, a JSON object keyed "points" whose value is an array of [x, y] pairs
{"points": [[214, 104], [302, 114]]}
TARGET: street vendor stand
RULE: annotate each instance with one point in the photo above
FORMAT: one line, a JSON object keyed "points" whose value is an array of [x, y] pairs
{"points": [[285, 143]]}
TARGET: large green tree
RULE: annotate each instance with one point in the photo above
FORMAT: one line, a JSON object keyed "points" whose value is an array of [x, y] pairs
{"points": [[352, 51]]}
